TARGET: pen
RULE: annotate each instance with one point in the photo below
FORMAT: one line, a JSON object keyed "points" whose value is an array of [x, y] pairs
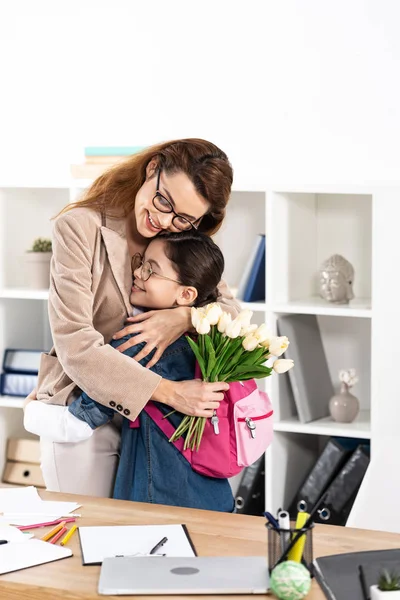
{"points": [[158, 546], [271, 519], [284, 528], [3, 542], [300, 533]]}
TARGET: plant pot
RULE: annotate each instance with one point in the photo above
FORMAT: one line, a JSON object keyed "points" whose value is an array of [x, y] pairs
{"points": [[38, 270], [344, 407], [377, 594]]}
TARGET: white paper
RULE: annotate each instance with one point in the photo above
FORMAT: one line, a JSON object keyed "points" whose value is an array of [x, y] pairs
{"points": [[100, 542], [12, 534], [16, 556], [23, 506]]}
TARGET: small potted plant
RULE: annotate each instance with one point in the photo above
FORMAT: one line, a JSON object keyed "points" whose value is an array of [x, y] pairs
{"points": [[388, 582], [38, 259]]}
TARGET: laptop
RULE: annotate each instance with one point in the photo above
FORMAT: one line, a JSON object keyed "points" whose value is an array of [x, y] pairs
{"points": [[157, 575]]}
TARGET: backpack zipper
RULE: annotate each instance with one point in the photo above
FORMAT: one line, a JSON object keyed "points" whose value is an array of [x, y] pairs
{"points": [[250, 422], [215, 422]]}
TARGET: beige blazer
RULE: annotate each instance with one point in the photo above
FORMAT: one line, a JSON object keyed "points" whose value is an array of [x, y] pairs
{"points": [[89, 301]]}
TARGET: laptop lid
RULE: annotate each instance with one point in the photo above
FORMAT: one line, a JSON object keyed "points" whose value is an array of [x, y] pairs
{"points": [[195, 575]]}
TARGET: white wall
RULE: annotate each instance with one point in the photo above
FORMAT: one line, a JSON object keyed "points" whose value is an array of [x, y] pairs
{"points": [[293, 90]]}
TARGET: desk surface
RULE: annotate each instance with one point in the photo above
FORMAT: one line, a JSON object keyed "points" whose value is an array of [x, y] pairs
{"points": [[214, 534]]}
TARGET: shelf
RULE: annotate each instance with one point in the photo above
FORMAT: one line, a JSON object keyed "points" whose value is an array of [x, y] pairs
{"points": [[11, 401], [360, 428], [360, 307], [24, 293]]}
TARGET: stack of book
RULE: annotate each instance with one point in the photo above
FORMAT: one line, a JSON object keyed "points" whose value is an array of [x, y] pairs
{"points": [[100, 158], [252, 284]]}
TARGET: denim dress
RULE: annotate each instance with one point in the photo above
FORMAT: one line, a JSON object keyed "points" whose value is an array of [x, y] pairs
{"points": [[150, 468]]}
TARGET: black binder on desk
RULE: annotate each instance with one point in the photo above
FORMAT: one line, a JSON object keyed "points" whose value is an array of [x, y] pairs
{"points": [[339, 575], [328, 464], [342, 492], [250, 496]]}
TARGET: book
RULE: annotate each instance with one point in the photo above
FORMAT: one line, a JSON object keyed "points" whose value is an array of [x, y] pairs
{"points": [[326, 467], [342, 491], [339, 574], [249, 265], [310, 379], [254, 288], [250, 496], [98, 543], [112, 150]]}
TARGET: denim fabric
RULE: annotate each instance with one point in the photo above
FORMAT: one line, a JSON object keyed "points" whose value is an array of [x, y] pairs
{"points": [[151, 469]]}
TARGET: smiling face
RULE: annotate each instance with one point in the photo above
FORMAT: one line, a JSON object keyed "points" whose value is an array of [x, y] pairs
{"points": [[181, 193], [162, 289]]}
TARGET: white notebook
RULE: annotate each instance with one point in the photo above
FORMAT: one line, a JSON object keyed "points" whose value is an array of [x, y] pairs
{"points": [[21, 555], [98, 543]]}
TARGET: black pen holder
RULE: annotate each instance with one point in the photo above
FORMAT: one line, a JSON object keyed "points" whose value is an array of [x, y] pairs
{"points": [[279, 540]]}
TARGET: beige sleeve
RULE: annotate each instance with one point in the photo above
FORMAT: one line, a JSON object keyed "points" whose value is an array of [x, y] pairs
{"points": [[227, 301], [95, 367]]}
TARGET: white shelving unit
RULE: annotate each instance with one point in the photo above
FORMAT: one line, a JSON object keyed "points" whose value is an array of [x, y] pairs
{"points": [[303, 226]]}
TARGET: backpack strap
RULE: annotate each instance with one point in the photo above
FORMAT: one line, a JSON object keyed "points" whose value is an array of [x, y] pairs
{"points": [[166, 427]]}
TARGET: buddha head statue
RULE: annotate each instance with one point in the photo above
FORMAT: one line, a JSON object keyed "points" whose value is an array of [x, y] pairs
{"points": [[336, 276]]}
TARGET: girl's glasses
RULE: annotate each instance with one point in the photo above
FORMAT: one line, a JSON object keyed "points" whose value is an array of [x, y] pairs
{"points": [[146, 269], [164, 205]]}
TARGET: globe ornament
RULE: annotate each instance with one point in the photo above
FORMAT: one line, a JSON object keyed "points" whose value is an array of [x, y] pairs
{"points": [[290, 581]]}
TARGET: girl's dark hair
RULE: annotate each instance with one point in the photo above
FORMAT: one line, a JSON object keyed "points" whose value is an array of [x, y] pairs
{"points": [[198, 262]]}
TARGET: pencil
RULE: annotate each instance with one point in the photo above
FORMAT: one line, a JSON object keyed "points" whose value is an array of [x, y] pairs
{"points": [[36, 525], [58, 535], [52, 532], [68, 535]]}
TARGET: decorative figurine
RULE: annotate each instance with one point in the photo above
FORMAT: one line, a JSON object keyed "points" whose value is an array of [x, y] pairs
{"points": [[344, 407], [336, 277]]}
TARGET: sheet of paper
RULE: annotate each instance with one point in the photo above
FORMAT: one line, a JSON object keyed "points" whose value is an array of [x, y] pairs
{"points": [[16, 556], [12, 534], [23, 506], [98, 543]]}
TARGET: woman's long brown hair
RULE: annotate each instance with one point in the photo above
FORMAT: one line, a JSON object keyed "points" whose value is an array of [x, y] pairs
{"points": [[204, 163]]}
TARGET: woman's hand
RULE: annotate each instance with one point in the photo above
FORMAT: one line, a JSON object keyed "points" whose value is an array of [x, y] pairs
{"points": [[157, 328], [194, 398], [32, 396]]}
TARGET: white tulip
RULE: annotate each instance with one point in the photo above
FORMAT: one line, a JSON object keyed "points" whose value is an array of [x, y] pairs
{"points": [[245, 317], [233, 329], [223, 322], [213, 313], [203, 326], [195, 316], [250, 343], [278, 345], [263, 334], [282, 365], [248, 330]]}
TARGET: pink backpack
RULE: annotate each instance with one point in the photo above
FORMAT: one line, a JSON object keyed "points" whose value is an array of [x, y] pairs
{"points": [[240, 435]]}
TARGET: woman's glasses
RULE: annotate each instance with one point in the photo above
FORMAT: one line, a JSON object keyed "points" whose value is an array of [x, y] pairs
{"points": [[146, 269], [164, 205]]}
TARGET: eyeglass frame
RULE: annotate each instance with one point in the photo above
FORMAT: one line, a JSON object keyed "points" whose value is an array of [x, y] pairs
{"points": [[168, 212], [141, 265]]}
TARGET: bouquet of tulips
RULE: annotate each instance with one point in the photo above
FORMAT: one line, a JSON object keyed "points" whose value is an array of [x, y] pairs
{"points": [[230, 350]]}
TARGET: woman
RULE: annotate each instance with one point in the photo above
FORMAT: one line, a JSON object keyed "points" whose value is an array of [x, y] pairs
{"points": [[174, 186], [176, 270]]}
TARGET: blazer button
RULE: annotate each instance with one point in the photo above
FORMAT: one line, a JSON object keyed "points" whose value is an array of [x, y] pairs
{"points": [[119, 407], [127, 412], [112, 403]]}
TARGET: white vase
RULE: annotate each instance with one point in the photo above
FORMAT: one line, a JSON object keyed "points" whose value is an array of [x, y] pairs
{"points": [[377, 594], [344, 407], [38, 270]]}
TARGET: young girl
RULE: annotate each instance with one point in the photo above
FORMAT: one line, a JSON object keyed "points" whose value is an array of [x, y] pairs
{"points": [[177, 270]]}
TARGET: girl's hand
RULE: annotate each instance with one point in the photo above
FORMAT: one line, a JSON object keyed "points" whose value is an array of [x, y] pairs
{"points": [[32, 396], [157, 328], [194, 398]]}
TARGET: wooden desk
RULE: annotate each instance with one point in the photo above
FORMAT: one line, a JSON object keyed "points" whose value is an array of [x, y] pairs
{"points": [[214, 534]]}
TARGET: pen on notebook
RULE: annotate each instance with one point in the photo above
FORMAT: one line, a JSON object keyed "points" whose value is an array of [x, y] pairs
{"points": [[49, 534], [159, 545], [68, 535]]}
